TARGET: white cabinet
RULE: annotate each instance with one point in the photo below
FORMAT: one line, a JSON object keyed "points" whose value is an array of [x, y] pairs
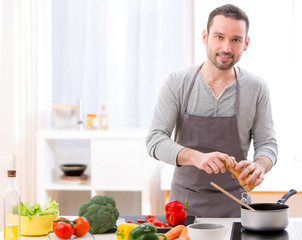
{"points": [[118, 165]]}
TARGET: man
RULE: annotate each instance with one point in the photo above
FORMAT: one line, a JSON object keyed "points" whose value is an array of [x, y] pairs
{"points": [[216, 109]]}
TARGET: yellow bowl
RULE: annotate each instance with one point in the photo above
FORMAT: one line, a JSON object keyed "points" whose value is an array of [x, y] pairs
{"points": [[37, 226]]}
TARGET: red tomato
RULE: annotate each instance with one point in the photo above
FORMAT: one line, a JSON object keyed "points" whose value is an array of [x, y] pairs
{"points": [[81, 227], [64, 230], [129, 221], [56, 223]]}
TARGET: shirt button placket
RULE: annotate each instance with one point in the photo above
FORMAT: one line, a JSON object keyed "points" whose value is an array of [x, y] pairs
{"points": [[216, 108]]}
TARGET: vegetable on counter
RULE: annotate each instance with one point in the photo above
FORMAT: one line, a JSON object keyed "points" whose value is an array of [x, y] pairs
{"points": [[129, 221], [55, 222], [101, 212], [123, 230], [81, 226], [175, 212], [145, 231], [49, 208], [184, 234], [64, 228], [175, 232], [156, 222]]}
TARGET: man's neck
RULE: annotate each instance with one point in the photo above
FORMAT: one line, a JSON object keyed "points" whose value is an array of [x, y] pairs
{"points": [[217, 79]]}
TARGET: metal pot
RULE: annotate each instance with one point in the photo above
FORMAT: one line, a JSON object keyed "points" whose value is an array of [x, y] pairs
{"points": [[268, 216]]}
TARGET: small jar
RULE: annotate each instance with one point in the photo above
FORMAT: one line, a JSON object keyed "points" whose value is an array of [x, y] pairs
{"points": [[92, 121]]}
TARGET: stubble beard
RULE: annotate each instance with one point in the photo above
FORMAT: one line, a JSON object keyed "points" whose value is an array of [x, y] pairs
{"points": [[224, 67]]}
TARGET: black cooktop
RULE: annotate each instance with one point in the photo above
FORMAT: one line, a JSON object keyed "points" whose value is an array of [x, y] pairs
{"points": [[292, 232]]}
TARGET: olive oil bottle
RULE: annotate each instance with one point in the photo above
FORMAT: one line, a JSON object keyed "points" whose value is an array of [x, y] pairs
{"points": [[11, 208]]}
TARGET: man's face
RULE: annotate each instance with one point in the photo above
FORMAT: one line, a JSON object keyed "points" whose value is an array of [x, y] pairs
{"points": [[225, 41]]}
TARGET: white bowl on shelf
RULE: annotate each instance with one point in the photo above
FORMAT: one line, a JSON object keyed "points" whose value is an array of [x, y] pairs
{"points": [[64, 115]]}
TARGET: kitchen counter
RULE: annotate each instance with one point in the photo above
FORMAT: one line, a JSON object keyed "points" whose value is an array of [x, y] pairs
{"points": [[226, 221]]}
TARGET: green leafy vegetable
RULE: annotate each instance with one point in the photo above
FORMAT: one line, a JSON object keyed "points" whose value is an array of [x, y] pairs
{"points": [[49, 208]]}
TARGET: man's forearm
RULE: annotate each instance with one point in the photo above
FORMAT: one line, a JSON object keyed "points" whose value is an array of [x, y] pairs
{"points": [[264, 162], [186, 156]]}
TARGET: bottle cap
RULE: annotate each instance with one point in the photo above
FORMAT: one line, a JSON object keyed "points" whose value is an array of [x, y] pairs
{"points": [[11, 173]]}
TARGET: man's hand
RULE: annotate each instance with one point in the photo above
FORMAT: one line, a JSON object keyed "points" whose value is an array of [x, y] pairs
{"points": [[209, 162], [257, 169]]}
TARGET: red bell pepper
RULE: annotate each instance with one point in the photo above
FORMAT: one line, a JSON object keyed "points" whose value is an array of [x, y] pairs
{"points": [[156, 222], [175, 212]]}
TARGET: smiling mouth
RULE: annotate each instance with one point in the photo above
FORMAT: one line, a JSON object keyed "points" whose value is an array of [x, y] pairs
{"points": [[225, 57]]}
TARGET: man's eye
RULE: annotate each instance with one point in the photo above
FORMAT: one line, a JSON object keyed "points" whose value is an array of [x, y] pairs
{"points": [[219, 37], [236, 40]]}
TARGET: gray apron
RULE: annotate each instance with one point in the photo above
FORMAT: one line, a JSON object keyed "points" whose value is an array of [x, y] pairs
{"points": [[208, 134]]}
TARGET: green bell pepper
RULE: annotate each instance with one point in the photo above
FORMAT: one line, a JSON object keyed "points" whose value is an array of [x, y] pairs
{"points": [[145, 231]]}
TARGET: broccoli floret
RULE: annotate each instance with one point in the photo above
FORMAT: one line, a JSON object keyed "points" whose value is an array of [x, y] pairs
{"points": [[101, 212]]}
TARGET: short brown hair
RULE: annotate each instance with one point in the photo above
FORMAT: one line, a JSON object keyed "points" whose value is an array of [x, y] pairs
{"points": [[230, 11]]}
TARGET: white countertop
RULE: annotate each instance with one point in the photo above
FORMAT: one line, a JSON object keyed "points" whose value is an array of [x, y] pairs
{"points": [[226, 221]]}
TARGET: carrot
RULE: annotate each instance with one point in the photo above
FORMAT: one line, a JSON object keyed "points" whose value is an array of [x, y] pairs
{"points": [[184, 234], [174, 232]]}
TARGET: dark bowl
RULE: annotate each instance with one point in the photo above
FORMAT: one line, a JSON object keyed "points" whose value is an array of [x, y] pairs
{"points": [[74, 170]]}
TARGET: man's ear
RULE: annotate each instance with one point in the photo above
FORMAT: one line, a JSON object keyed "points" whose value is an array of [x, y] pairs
{"points": [[204, 36], [246, 44]]}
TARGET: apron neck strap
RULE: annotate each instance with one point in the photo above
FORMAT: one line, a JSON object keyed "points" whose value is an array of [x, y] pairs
{"points": [[237, 92], [190, 88]]}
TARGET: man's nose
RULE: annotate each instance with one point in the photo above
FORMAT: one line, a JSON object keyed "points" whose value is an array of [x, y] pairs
{"points": [[226, 46]]}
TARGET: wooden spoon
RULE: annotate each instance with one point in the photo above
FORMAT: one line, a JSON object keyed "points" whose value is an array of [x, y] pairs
{"points": [[232, 196]]}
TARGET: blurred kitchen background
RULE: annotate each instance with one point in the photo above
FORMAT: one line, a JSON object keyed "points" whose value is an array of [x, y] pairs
{"points": [[111, 57]]}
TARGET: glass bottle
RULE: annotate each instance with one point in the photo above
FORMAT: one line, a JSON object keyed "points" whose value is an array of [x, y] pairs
{"points": [[103, 118], [11, 208], [80, 114]]}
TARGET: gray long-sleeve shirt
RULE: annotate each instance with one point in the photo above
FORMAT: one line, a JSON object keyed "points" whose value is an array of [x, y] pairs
{"points": [[254, 115]]}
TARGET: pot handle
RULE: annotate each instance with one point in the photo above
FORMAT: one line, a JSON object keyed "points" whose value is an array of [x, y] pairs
{"points": [[287, 196]]}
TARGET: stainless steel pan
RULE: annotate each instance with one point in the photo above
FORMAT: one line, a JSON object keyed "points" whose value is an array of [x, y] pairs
{"points": [[268, 216]]}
